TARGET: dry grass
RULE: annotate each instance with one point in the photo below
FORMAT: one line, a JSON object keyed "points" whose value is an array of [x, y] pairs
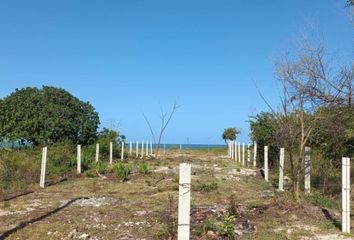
{"points": [[135, 209]]}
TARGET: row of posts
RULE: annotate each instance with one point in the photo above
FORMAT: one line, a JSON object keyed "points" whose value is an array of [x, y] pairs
{"points": [[146, 150], [234, 151]]}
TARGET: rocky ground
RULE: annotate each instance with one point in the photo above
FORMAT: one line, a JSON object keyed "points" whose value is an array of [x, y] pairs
{"points": [[228, 202]]}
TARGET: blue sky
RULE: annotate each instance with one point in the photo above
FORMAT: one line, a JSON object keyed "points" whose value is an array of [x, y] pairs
{"points": [[132, 57]]}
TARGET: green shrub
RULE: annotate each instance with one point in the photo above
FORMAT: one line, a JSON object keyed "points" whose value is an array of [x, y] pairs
{"points": [[122, 171], [227, 227], [207, 187], [143, 168], [100, 167], [209, 225]]}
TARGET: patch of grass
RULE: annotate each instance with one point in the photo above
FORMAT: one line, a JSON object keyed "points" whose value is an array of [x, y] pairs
{"points": [[100, 167], [207, 187], [144, 168], [122, 171], [318, 199]]}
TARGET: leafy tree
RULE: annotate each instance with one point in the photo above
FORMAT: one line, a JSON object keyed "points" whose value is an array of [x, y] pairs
{"points": [[47, 115], [263, 131], [230, 134]]}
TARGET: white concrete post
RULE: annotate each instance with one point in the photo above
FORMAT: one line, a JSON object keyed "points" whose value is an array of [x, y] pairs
{"points": [[151, 147], [346, 195], [142, 149], [184, 201], [254, 154], [111, 152], [147, 148], [307, 169], [281, 170], [180, 147], [43, 167], [232, 150], [243, 153], [235, 147], [130, 148], [228, 149], [236, 158], [137, 149], [248, 155], [122, 152], [78, 159], [266, 163], [239, 152], [97, 152]]}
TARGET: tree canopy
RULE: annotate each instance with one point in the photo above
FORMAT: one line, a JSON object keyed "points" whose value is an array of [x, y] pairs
{"points": [[230, 134], [46, 116]]}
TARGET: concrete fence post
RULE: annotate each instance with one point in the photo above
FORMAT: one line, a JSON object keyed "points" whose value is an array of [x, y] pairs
{"points": [[43, 167], [97, 152], [239, 151], [137, 149], [236, 158], [281, 170], [248, 155], [254, 154], [78, 159], [232, 150], [307, 169], [122, 152], [147, 148], [142, 149], [184, 201], [266, 163], [346, 195], [111, 152], [243, 153], [130, 148]]}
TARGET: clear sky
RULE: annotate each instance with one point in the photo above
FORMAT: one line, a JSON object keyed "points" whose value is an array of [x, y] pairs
{"points": [[129, 57]]}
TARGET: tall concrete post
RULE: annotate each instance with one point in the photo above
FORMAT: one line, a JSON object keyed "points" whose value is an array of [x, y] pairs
{"points": [[346, 195], [111, 152], [97, 152], [281, 170], [184, 201], [266, 163], [254, 154], [307, 169], [78, 159]]}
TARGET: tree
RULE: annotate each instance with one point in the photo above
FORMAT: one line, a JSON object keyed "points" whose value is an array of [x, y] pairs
{"points": [[263, 130], [46, 116], [309, 87], [230, 134], [165, 119]]}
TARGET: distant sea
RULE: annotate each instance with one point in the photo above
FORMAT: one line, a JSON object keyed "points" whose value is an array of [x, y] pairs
{"points": [[168, 146], [191, 146]]}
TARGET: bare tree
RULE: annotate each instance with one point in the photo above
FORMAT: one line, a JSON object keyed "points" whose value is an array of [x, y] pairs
{"points": [[308, 86], [165, 118]]}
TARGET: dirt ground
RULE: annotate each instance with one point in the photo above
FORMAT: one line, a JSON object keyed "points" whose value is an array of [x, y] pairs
{"points": [[145, 206]]}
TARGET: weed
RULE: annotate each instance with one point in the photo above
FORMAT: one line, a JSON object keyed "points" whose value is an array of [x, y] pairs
{"points": [[100, 167], [143, 168], [227, 227], [207, 187], [122, 171]]}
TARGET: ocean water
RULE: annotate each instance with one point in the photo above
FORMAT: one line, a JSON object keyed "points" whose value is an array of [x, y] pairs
{"points": [[190, 146]]}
